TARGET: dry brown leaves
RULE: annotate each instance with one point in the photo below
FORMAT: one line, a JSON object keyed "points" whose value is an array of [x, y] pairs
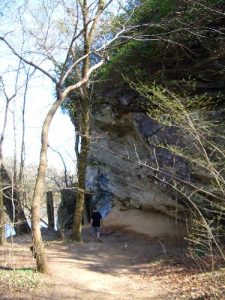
{"points": [[184, 280]]}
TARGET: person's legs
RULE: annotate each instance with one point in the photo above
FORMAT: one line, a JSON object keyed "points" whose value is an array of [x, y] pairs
{"points": [[93, 231], [98, 233]]}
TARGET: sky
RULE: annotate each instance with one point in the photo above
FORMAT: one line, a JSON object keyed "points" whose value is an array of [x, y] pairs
{"points": [[39, 98], [44, 34], [61, 135]]}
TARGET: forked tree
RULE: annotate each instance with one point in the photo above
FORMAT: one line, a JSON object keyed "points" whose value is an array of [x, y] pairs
{"points": [[69, 45]]}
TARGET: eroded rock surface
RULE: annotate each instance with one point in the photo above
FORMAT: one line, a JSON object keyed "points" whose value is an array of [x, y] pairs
{"points": [[122, 179]]}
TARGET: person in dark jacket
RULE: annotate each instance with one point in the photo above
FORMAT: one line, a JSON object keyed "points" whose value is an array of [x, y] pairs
{"points": [[96, 224]]}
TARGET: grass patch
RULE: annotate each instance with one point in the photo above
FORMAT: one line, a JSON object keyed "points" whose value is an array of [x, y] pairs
{"points": [[21, 279]]}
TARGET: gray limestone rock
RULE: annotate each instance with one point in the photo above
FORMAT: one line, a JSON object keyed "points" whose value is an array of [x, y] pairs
{"points": [[119, 173]]}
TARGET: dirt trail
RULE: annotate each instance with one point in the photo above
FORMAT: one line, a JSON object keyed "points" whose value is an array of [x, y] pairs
{"points": [[103, 270], [106, 270]]}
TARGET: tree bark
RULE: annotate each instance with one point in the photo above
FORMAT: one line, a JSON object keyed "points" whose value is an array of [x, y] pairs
{"points": [[22, 226], [50, 210], [82, 166], [2, 215], [88, 35], [41, 260]]}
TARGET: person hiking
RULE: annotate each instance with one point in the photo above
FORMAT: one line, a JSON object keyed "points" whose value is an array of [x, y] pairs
{"points": [[96, 224]]}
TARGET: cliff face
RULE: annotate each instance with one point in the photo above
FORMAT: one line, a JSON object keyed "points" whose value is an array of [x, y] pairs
{"points": [[121, 177], [130, 178], [127, 173]]}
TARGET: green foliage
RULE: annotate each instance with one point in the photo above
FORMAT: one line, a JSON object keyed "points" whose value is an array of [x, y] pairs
{"points": [[171, 39], [132, 57], [70, 107], [153, 11]]}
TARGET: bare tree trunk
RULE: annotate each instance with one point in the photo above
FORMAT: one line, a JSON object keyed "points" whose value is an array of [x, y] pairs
{"points": [[2, 136], [41, 260], [77, 141], [2, 214], [50, 210], [19, 218], [90, 19], [82, 165], [22, 226], [84, 129]]}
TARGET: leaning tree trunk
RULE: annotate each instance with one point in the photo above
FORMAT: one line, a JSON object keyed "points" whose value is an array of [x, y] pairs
{"points": [[82, 166], [39, 251], [41, 260]]}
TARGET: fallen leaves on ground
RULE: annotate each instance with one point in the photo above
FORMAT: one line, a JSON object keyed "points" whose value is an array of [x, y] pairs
{"points": [[184, 280]]}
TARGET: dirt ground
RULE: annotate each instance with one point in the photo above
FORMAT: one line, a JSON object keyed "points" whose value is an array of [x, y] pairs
{"points": [[107, 270], [124, 266]]}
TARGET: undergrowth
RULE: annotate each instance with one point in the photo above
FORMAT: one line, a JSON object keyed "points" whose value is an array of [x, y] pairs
{"points": [[23, 279]]}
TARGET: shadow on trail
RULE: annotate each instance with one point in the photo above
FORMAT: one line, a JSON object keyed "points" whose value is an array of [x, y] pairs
{"points": [[119, 252], [113, 269]]}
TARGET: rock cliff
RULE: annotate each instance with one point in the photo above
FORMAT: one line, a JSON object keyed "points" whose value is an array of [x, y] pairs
{"points": [[126, 173], [123, 167], [122, 179]]}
